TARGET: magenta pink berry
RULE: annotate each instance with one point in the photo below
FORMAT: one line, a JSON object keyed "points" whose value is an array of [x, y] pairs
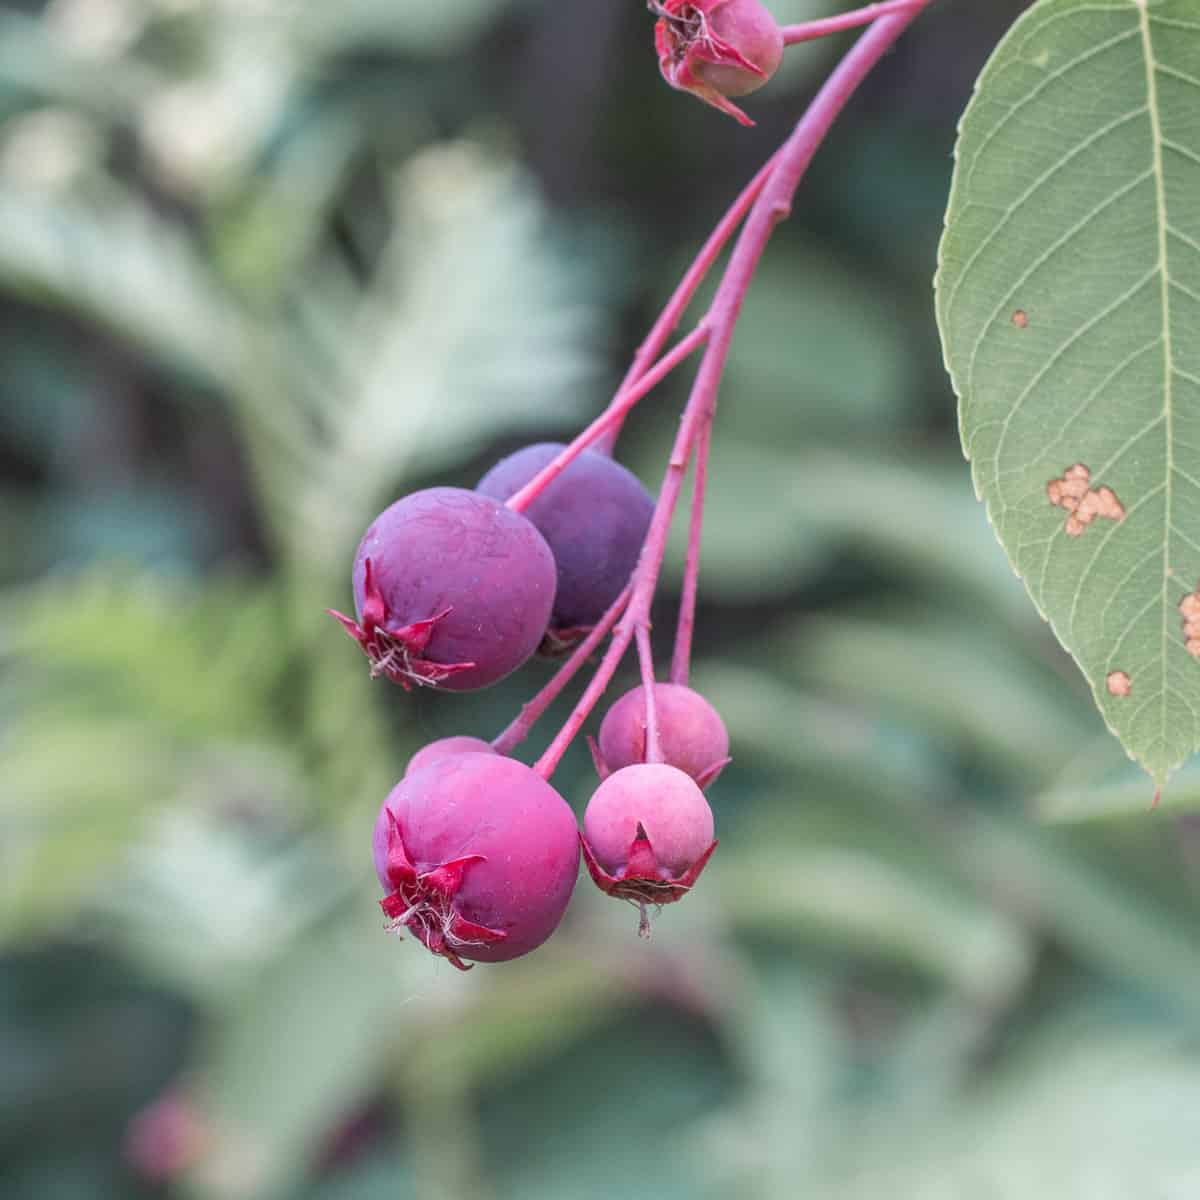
{"points": [[717, 48], [478, 855], [446, 747], [451, 589], [647, 835], [691, 733]]}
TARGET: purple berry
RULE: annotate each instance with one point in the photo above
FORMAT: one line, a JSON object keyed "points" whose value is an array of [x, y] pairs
{"points": [[594, 517], [647, 834], [478, 855], [451, 589], [691, 733], [447, 747]]}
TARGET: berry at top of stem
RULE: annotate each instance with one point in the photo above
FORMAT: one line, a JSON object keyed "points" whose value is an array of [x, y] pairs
{"points": [[717, 48]]}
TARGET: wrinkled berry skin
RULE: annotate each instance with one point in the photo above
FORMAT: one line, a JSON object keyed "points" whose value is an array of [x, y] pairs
{"points": [[594, 517], [447, 747], [451, 589], [478, 856], [717, 48], [691, 733], [647, 835]]}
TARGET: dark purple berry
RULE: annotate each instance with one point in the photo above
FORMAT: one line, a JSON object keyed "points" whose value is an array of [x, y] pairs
{"points": [[691, 733], [594, 517], [451, 589], [478, 855]]}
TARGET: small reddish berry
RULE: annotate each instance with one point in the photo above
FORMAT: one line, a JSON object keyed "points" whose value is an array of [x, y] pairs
{"points": [[691, 733], [647, 835], [446, 747], [717, 48], [451, 589], [478, 856]]}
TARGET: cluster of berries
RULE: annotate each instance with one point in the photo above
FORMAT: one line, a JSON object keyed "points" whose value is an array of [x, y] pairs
{"points": [[477, 854]]}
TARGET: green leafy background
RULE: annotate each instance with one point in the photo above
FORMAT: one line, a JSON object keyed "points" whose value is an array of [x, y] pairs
{"points": [[264, 267]]}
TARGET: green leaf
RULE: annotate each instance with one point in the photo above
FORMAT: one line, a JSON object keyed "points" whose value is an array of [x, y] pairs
{"points": [[1068, 293]]}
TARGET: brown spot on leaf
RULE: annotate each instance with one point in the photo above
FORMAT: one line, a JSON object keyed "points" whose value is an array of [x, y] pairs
{"points": [[1189, 606], [1083, 502], [1118, 683], [1020, 318]]}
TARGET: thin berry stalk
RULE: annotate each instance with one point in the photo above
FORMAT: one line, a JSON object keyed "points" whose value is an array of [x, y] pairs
{"points": [[809, 31], [645, 372], [615, 413], [654, 752], [518, 730], [682, 656], [624, 631], [681, 297]]}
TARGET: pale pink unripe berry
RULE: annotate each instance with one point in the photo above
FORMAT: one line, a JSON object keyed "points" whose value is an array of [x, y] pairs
{"points": [[691, 733], [717, 48], [478, 856], [647, 835]]}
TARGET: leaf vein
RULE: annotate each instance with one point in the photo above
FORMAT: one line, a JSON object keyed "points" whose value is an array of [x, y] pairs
{"points": [[1096, 554], [1120, 587], [1013, 109], [1058, 354], [1091, 397], [1042, 259], [1015, 206]]}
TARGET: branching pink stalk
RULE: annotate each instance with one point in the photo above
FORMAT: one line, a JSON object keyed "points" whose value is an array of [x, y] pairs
{"points": [[654, 752], [682, 656], [615, 413], [809, 31], [772, 205], [518, 730], [681, 297]]}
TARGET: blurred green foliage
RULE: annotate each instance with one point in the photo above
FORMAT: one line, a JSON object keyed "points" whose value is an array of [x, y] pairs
{"points": [[264, 266]]}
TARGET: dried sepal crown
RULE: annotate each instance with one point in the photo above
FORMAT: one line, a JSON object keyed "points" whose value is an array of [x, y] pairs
{"points": [[717, 48]]}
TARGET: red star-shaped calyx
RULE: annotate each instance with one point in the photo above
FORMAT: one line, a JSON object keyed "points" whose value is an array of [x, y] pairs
{"points": [[423, 902], [397, 651]]}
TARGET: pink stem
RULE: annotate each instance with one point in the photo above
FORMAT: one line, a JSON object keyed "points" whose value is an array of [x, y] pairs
{"points": [[518, 729], [681, 297], [654, 752], [681, 659], [771, 206], [625, 399], [811, 30], [645, 577]]}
